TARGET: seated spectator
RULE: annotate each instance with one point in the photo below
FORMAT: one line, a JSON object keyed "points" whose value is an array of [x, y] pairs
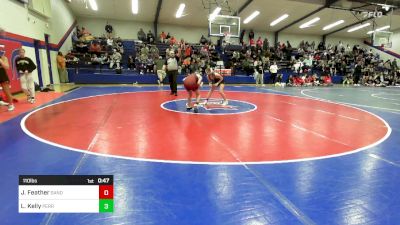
{"points": [[195, 67], [82, 47], [120, 46], [95, 47], [290, 81], [203, 40], [110, 44], [188, 50], [309, 80], [150, 65], [78, 32], [298, 81], [259, 43], [95, 60], [150, 37], [74, 37], [186, 65], [105, 59], [154, 52], [348, 80], [182, 43], [131, 63], [86, 36], [115, 59], [142, 63], [327, 80], [172, 41], [141, 35], [145, 51], [85, 32], [252, 43], [163, 37]]}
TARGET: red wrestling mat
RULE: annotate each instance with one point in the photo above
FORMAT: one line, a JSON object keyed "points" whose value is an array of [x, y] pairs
{"points": [[23, 105], [134, 125]]}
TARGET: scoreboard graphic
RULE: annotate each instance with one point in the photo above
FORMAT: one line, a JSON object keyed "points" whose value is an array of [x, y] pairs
{"points": [[66, 194]]}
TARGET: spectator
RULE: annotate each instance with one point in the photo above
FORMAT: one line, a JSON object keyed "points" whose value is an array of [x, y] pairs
{"points": [[120, 46], [203, 40], [259, 43], [82, 47], [251, 34], [265, 44], [150, 37], [259, 72], [116, 59], [273, 69], [95, 47], [154, 52], [131, 63], [172, 41], [150, 65], [241, 37], [163, 37], [74, 37], [394, 65], [160, 68], [109, 29], [141, 35], [25, 66], [188, 50], [357, 74], [61, 67]]}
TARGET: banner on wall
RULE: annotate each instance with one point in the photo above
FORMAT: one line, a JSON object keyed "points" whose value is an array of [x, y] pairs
{"points": [[11, 53]]}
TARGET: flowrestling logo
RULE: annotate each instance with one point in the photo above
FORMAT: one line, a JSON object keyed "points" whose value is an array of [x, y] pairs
{"points": [[212, 107]]}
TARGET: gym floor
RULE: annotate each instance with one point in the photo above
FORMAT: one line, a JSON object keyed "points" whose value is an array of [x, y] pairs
{"points": [[272, 156]]}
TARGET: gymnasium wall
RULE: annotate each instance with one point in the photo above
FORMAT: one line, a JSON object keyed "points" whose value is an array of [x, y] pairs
{"points": [[26, 26]]}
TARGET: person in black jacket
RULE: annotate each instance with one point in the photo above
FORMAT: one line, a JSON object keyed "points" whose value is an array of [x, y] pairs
{"points": [[25, 66]]}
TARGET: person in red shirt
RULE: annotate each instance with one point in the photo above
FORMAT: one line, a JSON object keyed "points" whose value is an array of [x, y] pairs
{"points": [[188, 51], [163, 37], [298, 81], [327, 80], [260, 42], [252, 43], [309, 81], [95, 47], [172, 41]]}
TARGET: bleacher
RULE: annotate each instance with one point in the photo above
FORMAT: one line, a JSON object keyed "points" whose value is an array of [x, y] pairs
{"points": [[85, 72]]}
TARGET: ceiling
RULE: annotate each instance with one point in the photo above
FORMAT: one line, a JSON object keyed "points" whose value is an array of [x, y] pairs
{"points": [[195, 13]]}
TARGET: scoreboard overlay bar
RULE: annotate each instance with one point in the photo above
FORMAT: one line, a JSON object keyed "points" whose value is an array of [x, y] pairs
{"points": [[66, 193]]}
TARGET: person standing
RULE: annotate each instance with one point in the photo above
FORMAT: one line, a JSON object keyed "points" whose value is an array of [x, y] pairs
{"points": [[357, 74], [160, 69], [259, 72], [273, 69], [4, 80], [61, 67], [25, 66], [171, 66]]}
